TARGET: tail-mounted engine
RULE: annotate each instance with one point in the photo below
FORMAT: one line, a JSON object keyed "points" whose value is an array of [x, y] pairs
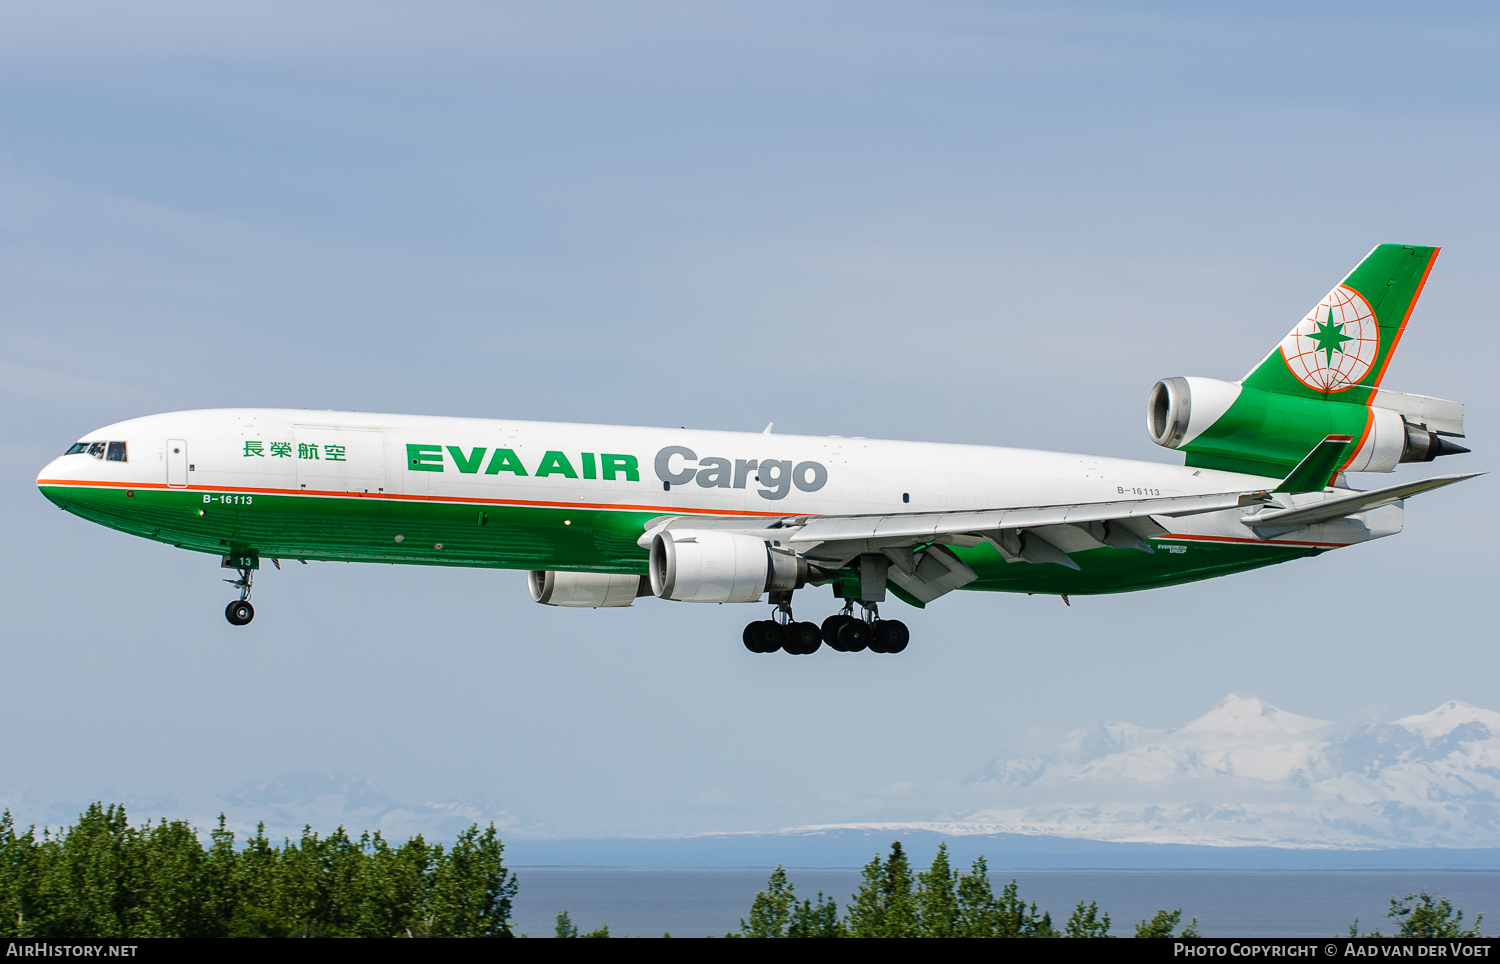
{"points": [[704, 565], [1226, 425]]}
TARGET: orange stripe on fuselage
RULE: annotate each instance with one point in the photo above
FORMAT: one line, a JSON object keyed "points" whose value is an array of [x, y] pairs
{"points": [[665, 510], [395, 496]]}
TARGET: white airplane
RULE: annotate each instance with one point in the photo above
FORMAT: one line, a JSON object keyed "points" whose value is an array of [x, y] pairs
{"points": [[602, 515]]}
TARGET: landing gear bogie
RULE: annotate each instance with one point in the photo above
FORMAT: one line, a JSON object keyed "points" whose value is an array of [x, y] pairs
{"points": [[842, 632]]}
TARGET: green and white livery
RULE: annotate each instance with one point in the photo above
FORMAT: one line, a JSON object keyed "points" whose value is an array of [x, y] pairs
{"points": [[602, 515]]}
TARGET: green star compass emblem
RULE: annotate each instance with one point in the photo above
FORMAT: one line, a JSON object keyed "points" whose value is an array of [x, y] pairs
{"points": [[1336, 343], [1330, 337]]}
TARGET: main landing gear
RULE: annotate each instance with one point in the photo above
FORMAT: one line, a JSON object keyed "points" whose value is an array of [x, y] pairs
{"points": [[843, 632], [240, 612], [781, 631]]}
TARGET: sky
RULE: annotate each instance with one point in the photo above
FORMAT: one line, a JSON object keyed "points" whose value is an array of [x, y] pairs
{"points": [[968, 222]]}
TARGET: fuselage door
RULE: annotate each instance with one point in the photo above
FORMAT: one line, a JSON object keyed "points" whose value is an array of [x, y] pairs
{"points": [[177, 463], [340, 459]]}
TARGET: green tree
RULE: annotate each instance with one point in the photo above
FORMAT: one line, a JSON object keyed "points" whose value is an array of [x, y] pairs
{"points": [[218, 896], [771, 911], [472, 890], [1086, 921], [255, 885], [937, 897], [104, 878], [885, 905], [295, 891], [341, 869], [88, 877], [171, 864], [20, 858], [1016, 919], [1425, 915], [394, 888], [776, 912], [1164, 923], [566, 928], [820, 919], [977, 914]]}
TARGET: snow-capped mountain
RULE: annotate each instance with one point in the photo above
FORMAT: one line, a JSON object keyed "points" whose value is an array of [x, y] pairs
{"points": [[323, 800], [285, 805], [1248, 773]]}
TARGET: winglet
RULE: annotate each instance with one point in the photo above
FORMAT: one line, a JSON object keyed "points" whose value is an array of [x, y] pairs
{"points": [[1315, 471]]}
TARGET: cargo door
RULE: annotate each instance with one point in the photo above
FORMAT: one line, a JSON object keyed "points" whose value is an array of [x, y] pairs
{"points": [[337, 459]]}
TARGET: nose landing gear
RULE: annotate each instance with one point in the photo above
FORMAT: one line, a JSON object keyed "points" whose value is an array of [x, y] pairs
{"points": [[240, 612]]}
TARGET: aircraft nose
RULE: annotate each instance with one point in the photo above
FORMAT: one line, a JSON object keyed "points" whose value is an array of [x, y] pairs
{"points": [[47, 479], [51, 471]]}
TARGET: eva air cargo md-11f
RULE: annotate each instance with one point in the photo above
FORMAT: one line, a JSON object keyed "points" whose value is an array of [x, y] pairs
{"points": [[602, 515]]}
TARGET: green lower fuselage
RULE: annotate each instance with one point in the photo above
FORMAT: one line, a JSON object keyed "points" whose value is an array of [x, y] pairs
{"points": [[592, 540], [443, 509]]}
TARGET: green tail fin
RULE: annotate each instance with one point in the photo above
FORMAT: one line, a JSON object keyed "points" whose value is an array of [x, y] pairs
{"points": [[1341, 349], [1321, 380]]}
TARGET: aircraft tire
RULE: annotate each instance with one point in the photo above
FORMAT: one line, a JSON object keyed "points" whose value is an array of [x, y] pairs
{"points": [[803, 639], [892, 636], [830, 631], [764, 636], [854, 635], [239, 612]]}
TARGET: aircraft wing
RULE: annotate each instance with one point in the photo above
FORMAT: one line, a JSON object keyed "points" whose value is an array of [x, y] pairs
{"points": [[908, 548], [876, 531]]}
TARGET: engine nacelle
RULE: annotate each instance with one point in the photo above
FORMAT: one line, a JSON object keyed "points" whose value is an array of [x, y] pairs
{"points": [[1392, 439], [703, 565], [584, 590], [1179, 409]]}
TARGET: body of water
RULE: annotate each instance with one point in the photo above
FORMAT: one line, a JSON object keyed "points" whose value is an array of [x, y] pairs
{"points": [[693, 902]]}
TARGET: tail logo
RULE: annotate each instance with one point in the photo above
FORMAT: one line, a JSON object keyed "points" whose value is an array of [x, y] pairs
{"points": [[1335, 345]]}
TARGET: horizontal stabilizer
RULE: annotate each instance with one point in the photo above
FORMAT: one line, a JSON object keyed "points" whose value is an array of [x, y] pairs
{"points": [[1315, 471], [1435, 414], [1340, 506]]}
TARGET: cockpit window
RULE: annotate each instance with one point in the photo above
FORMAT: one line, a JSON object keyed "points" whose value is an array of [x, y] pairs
{"points": [[77, 447], [96, 449], [116, 452]]}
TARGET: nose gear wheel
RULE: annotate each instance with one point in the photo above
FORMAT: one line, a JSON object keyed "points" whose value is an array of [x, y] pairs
{"points": [[239, 612]]}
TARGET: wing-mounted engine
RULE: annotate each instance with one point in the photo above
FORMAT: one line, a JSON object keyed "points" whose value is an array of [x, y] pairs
{"points": [[709, 566], [585, 590]]}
